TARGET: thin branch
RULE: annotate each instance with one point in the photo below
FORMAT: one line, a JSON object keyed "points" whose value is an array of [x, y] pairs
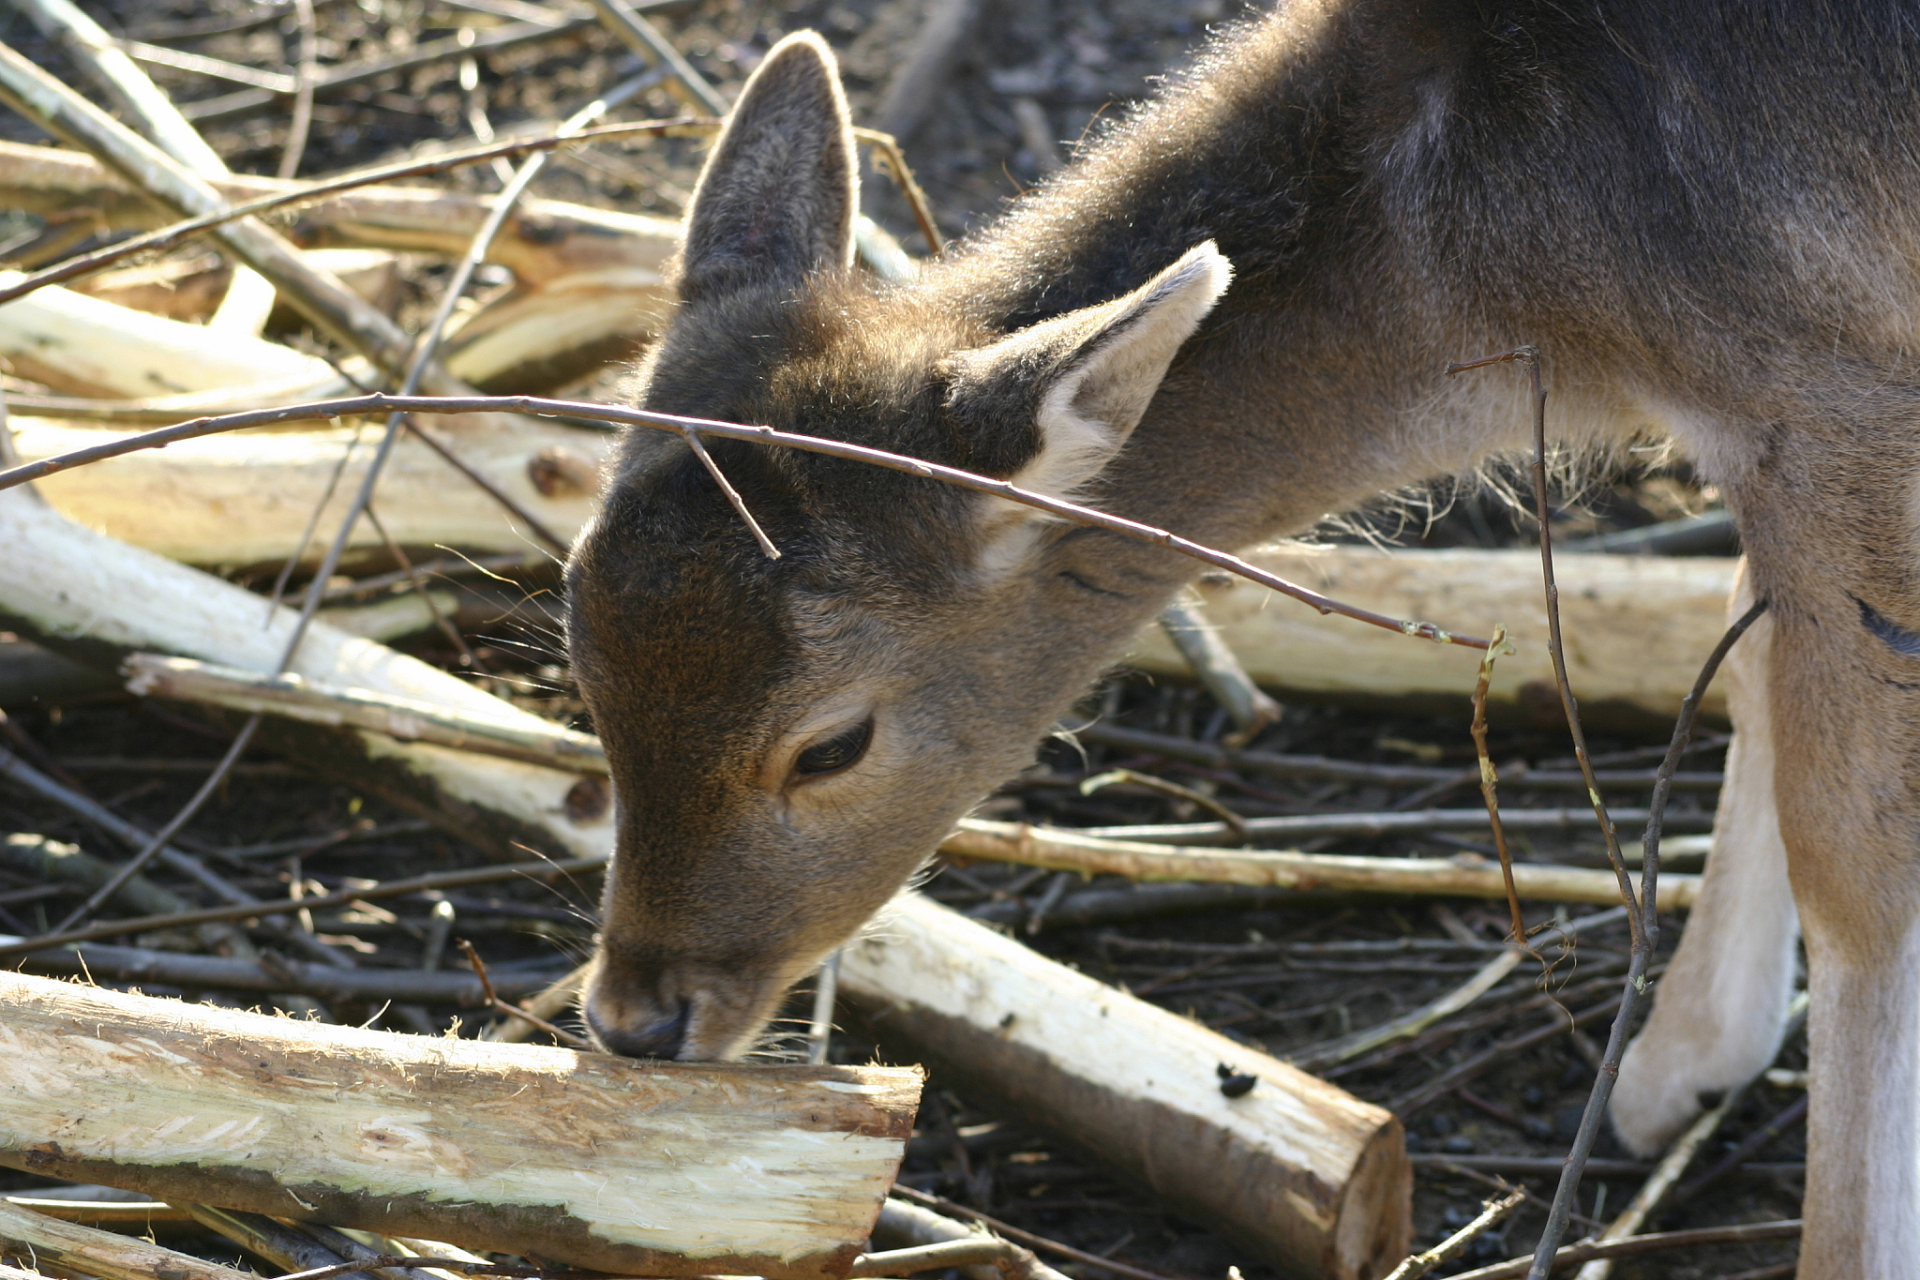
{"points": [[1490, 778], [533, 523], [1492, 1212], [692, 438], [540, 406]]}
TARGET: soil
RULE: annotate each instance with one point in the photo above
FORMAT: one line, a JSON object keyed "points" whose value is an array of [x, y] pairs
{"points": [[1033, 73]]}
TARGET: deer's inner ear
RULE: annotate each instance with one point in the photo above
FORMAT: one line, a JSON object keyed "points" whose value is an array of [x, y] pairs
{"points": [[1049, 407], [777, 199]]}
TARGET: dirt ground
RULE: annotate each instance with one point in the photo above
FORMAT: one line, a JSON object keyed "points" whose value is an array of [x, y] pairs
{"points": [[1284, 975]]}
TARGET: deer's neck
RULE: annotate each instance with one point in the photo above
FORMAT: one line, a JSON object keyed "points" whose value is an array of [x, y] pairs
{"points": [[1289, 403]]}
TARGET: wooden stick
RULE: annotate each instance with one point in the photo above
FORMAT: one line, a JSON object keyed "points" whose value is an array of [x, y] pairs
{"points": [[1468, 875], [630, 1167], [1317, 1179]]}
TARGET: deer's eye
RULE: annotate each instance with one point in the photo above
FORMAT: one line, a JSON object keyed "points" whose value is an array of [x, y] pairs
{"points": [[836, 753]]}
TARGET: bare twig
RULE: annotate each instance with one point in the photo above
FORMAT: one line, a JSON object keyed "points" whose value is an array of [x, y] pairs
{"points": [[405, 719], [692, 438], [1235, 823], [468, 658], [1061, 849], [1326, 769], [1491, 1213], [534, 525], [1407, 822], [1556, 647], [1490, 778], [1185, 622], [180, 232], [541, 406], [645, 39], [1661, 1181]]}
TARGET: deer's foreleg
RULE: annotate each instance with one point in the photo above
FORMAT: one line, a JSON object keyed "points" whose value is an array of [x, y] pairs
{"points": [[1844, 682], [1719, 1012]]}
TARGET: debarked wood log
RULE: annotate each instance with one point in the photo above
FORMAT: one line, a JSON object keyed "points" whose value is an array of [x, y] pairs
{"points": [[1637, 628], [637, 1168], [1315, 1179]]}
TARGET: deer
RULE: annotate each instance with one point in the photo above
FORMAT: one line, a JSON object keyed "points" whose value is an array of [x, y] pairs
{"points": [[1228, 317]]}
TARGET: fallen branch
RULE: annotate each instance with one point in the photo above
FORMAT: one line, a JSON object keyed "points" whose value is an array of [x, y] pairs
{"points": [[1467, 875], [773, 1171], [1313, 1176]]}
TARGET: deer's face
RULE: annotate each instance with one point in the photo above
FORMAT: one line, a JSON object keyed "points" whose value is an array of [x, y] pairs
{"points": [[790, 738]]}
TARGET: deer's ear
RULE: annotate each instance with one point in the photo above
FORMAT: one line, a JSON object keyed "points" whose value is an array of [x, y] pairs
{"points": [[777, 198], [1051, 405]]}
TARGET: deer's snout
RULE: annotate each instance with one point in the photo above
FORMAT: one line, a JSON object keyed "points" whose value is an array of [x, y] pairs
{"points": [[675, 1007], [643, 1037], [637, 1010]]}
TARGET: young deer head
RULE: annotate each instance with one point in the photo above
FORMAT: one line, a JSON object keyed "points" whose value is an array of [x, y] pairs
{"points": [[791, 737]]}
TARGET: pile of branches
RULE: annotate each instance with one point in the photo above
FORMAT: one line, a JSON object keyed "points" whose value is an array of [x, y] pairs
{"points": [[101, 594]]}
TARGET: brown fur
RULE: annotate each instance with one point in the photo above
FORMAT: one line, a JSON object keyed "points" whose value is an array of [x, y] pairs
{"points": [[1707, 214]]}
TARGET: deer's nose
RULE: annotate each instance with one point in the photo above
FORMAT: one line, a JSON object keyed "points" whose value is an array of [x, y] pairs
{"points": [[662, 1038]]}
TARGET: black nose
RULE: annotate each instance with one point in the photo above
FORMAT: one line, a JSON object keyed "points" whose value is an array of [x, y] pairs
{"points": [[661, 1039]]}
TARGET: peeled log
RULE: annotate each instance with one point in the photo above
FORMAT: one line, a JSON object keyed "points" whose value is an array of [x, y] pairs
{"points": [[246, 497], [1313, 1177], [1638, 628], [628, 1167]]}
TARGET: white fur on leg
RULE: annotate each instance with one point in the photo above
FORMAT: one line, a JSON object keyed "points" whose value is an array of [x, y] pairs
{"points": [[1719, 1013], [1863, 1128]]}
